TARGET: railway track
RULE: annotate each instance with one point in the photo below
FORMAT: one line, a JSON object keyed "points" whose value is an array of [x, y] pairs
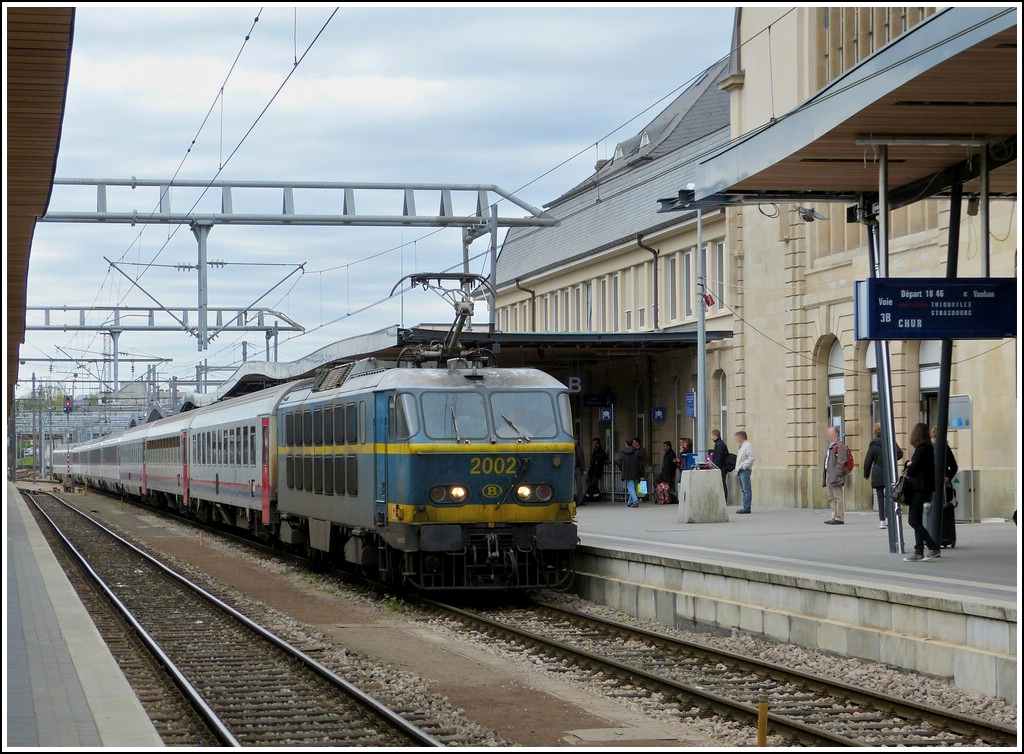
{"points": [[250, 687], [802, 707]]}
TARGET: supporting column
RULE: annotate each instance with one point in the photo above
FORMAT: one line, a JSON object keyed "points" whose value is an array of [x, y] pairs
{"points": [[115, 335], [492, 295], [701, 435], [889, 460], [201, 231], [933, 513], [883, 365], [986, 245]]}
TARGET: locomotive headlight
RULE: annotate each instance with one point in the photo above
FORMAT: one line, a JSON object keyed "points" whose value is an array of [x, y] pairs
{"points": [[545, 492], [523, 492], [458, 493], [438, 494]]}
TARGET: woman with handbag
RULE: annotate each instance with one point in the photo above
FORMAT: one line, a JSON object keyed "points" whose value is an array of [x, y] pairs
{"points": [[919, 484]]}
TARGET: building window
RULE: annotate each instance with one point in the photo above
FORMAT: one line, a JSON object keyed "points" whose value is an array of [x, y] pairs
{"points": [[588, 288], [720, 272], [567, 327], [555, 324], [615, 303], [641, 417], [672, 289], [628, 320], [602, 304], [577, 309], [688, 283], [723, 408], [836, 386], [641, 320], [677, 390], [544, 313], [871, 365], [928, 359]]}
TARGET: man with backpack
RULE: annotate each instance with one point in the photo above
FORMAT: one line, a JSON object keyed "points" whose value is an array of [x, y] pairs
{"points": [[838, 463]]}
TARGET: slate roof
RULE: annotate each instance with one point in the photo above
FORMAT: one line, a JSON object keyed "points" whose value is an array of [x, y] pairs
{"points": [[620, 200]]}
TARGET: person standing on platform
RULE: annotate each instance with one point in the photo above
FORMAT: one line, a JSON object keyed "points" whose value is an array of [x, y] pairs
{"points": [[629, 466], [685, 448], [833, 476], [920, 473], [718, 453], [667, 475], [580, 468], [744, 465], [598, 458], [874, 469], [951, 467]]}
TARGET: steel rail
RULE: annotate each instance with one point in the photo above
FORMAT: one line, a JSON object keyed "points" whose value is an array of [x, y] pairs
{"points": [[948, 719], [366, 700]]}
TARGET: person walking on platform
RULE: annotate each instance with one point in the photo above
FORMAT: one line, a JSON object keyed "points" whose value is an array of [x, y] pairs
{"points": [[629, 466], [718, 453], [744, 465], [643, 460], [580, 468], [920, 473], [874, 469], [833, 476], [598, 458]]}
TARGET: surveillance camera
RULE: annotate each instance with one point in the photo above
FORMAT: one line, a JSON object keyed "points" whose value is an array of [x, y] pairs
{"points": [[809, 214]]}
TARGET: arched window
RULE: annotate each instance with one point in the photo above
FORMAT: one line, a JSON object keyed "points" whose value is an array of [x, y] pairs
{"points": [[641, 413], [836, 386], [678, 392], [871, 364], [928, 375]]}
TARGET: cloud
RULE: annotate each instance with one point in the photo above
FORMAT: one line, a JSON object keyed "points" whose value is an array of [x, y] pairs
{"points": [[475, 95]]}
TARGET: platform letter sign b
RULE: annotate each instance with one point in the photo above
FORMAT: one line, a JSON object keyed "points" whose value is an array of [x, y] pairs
{"points": [[575, 384]]}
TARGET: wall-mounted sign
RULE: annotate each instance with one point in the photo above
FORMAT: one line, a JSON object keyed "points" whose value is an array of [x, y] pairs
{"points": [[691, 404], [605, 413], [658, 414]]}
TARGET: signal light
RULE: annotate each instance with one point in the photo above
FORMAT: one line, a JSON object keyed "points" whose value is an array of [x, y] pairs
{"points": [[67, 404]]}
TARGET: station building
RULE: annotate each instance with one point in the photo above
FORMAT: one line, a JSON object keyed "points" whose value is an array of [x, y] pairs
{"points": [[783, 363]]}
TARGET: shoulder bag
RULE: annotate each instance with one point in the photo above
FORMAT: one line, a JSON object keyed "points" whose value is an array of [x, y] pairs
{"points": [[899, 490]]}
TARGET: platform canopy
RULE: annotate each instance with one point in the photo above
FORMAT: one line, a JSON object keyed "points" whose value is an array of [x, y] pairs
{"points": [[38, 57], [934, 95]]}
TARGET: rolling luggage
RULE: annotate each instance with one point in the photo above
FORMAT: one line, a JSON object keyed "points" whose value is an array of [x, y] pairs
{"points": [[948, 538]]}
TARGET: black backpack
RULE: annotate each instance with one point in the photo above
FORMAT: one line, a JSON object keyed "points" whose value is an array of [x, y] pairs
{"points": [[729, 464]]}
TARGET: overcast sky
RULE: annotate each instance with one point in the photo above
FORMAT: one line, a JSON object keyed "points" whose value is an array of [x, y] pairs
{"points": [[386, 94]]}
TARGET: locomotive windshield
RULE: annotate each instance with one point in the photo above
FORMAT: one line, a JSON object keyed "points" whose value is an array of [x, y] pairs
{"points": [[454, 416], [524, 414]]}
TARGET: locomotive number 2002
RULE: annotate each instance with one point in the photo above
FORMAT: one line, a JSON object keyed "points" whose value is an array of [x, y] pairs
{"points": [[492, 465]]}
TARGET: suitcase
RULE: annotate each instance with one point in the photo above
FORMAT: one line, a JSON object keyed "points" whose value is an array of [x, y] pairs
{"points": [[948, 538]]}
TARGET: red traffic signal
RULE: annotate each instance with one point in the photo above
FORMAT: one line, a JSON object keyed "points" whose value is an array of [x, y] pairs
{"points": [[67, 404]]}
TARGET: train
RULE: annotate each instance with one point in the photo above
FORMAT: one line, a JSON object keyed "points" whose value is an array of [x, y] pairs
{"points": [[458, 477]]}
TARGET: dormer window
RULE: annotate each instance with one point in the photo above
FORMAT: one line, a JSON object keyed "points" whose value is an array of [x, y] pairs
{"points": [[619, 154], [645, 140]]}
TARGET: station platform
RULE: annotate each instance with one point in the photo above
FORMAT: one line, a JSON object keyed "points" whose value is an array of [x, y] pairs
{"points": [[783, 574], [62, 687], [983, 566]]}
